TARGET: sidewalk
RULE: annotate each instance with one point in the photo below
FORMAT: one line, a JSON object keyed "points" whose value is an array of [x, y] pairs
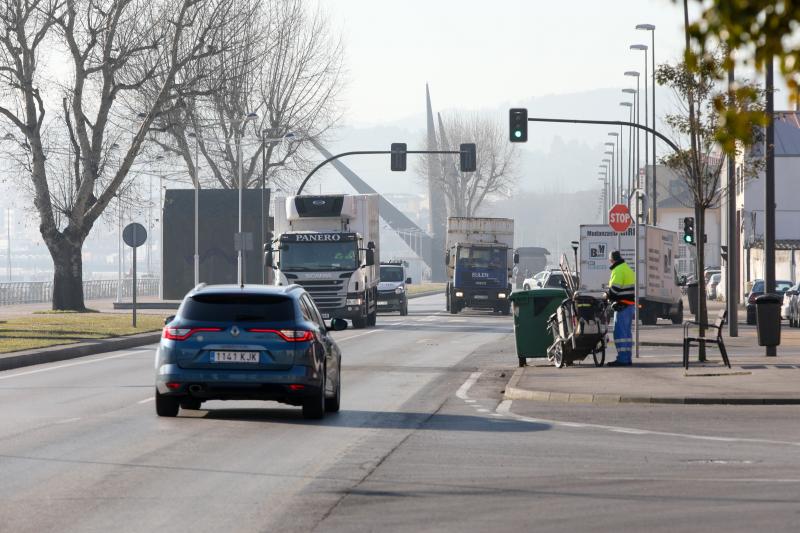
{"points": [[658, 376]]}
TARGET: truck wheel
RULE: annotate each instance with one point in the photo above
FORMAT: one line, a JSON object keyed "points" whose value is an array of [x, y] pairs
{"points": [[372, 318], [404, 309], [648, 316], [506, 310], [454, 308], [447, 301], [359, 323], [677, 318]]}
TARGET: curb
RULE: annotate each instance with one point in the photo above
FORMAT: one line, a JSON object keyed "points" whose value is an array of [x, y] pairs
{"points": [[512, 392], [80, 349]]}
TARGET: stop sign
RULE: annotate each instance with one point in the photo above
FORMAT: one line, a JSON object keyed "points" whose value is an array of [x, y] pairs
{"points": [[619, 218]]}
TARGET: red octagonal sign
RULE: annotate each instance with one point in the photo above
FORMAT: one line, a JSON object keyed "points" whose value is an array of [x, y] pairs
{"points": [[619, 218]]}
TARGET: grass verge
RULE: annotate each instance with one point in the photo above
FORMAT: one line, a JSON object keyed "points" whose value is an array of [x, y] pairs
{"points": [[42, 330], [425, 287]]}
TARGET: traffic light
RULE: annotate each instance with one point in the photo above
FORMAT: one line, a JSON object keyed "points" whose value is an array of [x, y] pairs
{"points": [[468, 157], [688, 230], [518, 123], [399, 157]]}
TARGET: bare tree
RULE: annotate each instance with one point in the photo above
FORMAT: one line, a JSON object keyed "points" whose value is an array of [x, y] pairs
{"points": [[284, 80], [495, 175], [113, 49]]}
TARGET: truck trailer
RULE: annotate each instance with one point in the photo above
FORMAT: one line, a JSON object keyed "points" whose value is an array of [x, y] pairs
{"points": [[480, 258], [331, 246], [659, 293]]}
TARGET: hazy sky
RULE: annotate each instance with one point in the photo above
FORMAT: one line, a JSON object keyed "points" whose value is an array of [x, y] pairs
{"points": [[481, 53]]}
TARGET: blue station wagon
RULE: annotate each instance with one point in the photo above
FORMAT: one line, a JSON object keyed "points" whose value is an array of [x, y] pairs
{"points": [[228, 342]]}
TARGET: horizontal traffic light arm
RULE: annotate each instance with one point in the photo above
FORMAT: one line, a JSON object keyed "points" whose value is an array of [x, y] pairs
{"points": [[366, 152], [608, 123]]}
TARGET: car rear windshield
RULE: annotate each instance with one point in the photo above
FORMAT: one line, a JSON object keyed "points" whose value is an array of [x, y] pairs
{"points": [[223, 307], [780, 286]]}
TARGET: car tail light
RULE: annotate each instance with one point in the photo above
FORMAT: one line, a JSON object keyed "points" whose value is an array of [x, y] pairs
{"points": [[295, 387], [173, 385], [752, 298], [181, 334], [289, 335]]}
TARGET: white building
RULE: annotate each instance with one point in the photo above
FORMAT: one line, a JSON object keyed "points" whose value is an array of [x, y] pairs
{"points": [[675, 203], [750, 209]]}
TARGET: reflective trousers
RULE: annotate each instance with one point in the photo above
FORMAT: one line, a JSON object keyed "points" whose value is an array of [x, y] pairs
{"points": [[623, 338]]}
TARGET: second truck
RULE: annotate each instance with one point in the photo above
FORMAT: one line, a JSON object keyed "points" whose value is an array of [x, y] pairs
{"points": [[480, 259], [330, 245]]}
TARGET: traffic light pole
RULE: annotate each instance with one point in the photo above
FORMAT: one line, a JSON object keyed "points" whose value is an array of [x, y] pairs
{"points": [[609, 123], [367, 152]]}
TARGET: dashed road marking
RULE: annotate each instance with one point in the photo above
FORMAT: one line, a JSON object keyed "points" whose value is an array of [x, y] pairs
{"points": [[146, 400]]}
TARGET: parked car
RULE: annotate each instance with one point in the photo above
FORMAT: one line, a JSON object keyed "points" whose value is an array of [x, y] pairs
{"points": [[794, 308], [254, 342], [551, 279], [711, 287], [757, 290], [787, 300], [709, 272], [533, 282]]}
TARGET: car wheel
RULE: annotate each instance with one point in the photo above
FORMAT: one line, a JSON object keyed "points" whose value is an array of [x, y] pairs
{"points": [[751, 320], [314, 406], [191, 404], [332, 404], [404, 310], [166, 405]]}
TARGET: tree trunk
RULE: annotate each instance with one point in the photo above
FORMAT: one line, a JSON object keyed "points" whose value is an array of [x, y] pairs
{"points": [[702, 314], [68, 277]]}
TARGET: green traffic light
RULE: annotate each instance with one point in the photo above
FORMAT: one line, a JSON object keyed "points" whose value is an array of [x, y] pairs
{"points": [[517, 134], [688, 239]]}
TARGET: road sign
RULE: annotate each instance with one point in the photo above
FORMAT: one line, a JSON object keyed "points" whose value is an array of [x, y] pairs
{"points": [[619, 218], [134, 235]]}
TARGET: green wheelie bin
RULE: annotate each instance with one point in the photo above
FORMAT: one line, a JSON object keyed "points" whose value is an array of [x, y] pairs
{"points": [[531, 310]]}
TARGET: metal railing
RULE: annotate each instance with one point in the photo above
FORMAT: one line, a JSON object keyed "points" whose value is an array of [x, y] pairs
{"points": [[30, 292]]}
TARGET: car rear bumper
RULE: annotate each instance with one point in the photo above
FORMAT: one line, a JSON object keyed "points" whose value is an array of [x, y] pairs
{"points": [[286, 386]]}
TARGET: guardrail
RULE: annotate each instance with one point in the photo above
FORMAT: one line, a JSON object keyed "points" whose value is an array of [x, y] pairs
{"points": [[31, 292]]}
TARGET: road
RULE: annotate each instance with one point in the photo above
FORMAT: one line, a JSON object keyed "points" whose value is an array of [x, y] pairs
{"points": [[424, 442]]}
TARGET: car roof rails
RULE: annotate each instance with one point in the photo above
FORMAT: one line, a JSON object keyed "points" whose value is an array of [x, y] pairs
{"points": [[199, 286]]}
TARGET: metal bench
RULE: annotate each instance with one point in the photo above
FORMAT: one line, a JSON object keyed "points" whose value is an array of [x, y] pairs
{"points": [[718, 324]]}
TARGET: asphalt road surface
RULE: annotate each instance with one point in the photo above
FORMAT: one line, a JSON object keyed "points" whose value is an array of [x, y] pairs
{"points": [[424, 442]]}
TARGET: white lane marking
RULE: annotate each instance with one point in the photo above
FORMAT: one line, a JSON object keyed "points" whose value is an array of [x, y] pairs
{"points": [[470, 401], [146, 400], [505, 408], [359, 335], [68, 420], [29, 372], [464, 388], [483, 410]]}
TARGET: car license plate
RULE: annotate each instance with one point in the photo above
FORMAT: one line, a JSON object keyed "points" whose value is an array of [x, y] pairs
{"points": [[383, 302], [326, 315], [235, 357], [481, 297]]}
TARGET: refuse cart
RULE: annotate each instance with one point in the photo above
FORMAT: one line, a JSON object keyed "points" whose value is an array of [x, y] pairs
{"points": [[531, 311], [768, 319], [692, 292]]}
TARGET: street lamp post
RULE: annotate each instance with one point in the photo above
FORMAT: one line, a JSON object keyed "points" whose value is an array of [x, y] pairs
{"points": [[638, 105], [630, 106], [612, 164], [196, 210], [643, 47], [604, 205], [619, 160], [239, 130], [652, 29]]}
